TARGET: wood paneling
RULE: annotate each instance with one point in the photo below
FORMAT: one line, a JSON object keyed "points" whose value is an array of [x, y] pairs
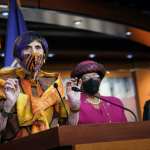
{"points": [[143, 86], [143, 144]]}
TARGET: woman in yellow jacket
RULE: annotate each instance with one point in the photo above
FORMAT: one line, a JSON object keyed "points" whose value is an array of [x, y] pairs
{"points": [[28, 99]]}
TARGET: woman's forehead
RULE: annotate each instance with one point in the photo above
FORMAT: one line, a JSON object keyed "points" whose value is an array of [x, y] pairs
{"points": [[35, 43], [90, 74]]}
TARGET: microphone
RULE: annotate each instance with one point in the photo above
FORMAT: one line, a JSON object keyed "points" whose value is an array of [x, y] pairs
{"points": [[56, 87], [76, 89]]}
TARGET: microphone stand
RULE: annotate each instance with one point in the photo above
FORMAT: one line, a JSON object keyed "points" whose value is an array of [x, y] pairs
{"points": [[76, 89], [62, 120], [117, 105]]}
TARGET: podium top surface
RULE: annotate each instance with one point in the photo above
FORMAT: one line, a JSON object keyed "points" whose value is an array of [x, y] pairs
{"points": [[81, 134]]}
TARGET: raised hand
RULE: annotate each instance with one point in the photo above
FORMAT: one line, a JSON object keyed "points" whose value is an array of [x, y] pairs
{"points": [[72, 83], [73, 97], [12, 90]]}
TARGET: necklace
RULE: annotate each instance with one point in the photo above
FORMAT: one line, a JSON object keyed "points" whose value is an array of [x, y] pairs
{"points": [[107, 113], [93, 100]]}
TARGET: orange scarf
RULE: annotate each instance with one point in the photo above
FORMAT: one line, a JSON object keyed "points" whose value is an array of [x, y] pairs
{"points": [[37, 111]]}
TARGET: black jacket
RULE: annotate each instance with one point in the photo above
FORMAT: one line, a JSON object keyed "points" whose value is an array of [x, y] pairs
{"points": [[146, 114]]}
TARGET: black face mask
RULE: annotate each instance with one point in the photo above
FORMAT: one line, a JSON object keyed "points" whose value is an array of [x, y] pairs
{"points": [[91, 86]]}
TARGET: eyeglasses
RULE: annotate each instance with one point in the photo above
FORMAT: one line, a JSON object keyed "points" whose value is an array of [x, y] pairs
{"points": [[87, 77]]}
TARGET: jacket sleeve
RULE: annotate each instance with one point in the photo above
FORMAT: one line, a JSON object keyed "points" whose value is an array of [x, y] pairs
{"points": [[146, 114]]}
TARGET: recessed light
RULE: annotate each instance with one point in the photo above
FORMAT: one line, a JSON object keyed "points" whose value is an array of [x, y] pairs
{"points": [[2, 54], [92, 55], [4, 13], [3, 6], [77, 22], [50, 55], [108, 72], [129, 56], [128, 33]]}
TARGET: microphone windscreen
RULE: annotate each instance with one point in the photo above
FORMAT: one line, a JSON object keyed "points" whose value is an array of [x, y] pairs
{"points": [[55, 85], [76, 89]]}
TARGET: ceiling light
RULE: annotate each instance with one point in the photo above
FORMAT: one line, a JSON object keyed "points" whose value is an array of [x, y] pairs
{"points": [[4, 13], [50, 55], [129, 56], [108, 72], [77, 22], [2, 54], [128, 33], [92, 55], [3, 6]]}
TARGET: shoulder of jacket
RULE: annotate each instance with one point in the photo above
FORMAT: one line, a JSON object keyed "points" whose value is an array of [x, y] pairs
{"points": [[48, 74], [9, 72]]}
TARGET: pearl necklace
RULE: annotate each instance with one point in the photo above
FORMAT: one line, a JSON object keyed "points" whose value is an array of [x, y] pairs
{"points": [[94, 101], [107, 114]]}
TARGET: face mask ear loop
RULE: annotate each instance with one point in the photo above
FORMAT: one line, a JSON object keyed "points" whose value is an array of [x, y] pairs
{"points": [[44, 61], [78, 81], [44, 58]]}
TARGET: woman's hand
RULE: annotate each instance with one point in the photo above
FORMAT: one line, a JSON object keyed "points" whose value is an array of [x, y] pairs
{"points": [[73, 97], [12, 90], [72, 83]]}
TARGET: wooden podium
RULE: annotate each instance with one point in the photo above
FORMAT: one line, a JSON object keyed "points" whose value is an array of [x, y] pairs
{"points": [[128, 136]]}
